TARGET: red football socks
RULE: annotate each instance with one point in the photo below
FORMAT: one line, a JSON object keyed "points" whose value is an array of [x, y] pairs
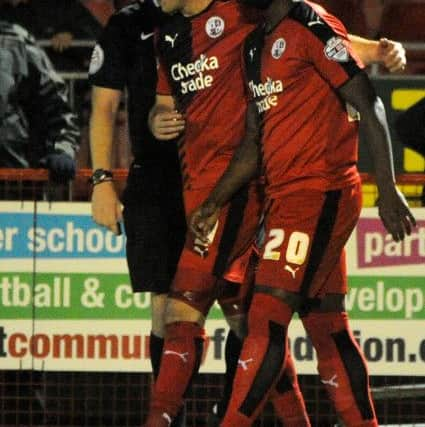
{"points": [[287, 399], [180, 360], [342, 368], [261, 361]]}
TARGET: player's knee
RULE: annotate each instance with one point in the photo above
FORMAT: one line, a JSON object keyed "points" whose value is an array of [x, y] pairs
{"points": [[183, 329], [330, 335], [293, 300], [158, 305], [330, 303], [185, 289], [265, 311], [325, 323], [179, 311]]}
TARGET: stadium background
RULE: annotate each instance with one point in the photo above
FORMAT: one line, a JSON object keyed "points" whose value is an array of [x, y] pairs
{"points": [[99, 389]]}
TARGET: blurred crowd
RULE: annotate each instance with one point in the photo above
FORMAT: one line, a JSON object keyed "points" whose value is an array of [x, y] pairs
{"points": [[43, 42], [60, 22]]}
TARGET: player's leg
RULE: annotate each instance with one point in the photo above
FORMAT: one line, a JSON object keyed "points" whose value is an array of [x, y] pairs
{"points": [[156, 342], [193, 293], [287, 399], [234, 300], [146, 242], [283, 285], [183, 347], [265, 349], [234, 295], [151, 255], [340, 363], [262, 358], [176, 222], [156, 345], [194, 290], [286, 396], [288, 392], [191, 297], [341, 366]]}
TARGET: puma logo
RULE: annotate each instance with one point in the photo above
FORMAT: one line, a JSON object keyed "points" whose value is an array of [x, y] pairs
{"points": [[291, 270], [244, 363], [170, 39], [183, 356], [331, 382]]}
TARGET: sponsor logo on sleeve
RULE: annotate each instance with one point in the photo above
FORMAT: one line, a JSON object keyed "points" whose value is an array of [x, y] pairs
{"points": [[336, 50]]}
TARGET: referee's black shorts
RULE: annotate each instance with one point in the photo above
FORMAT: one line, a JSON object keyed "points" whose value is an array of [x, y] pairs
{"points": [[155, 226]]}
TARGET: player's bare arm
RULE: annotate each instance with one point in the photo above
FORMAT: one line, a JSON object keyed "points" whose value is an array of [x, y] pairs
{"points": [[165, 122], [389, 53], [242, 168], [106, 207], [393, 208]]}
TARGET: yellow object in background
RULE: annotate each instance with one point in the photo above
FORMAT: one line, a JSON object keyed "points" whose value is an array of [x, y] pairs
{"points": [[402, 99]]}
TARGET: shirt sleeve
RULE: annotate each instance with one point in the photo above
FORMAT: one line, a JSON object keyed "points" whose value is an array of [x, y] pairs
{"points": [[163, 85], [109, 62], [329, 49]]}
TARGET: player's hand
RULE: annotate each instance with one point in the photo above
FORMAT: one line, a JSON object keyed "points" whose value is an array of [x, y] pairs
{"points": [[61, 166], [395, 213], [62, 41], [106, 207], [203, 220], [391, 55], [166, 125]]}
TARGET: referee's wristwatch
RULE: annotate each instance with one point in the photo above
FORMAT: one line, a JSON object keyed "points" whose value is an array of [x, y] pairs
{"points": [[101, 175]]}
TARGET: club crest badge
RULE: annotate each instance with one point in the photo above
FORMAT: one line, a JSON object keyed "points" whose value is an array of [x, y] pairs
{"points": [[278, 48], [214, 27]]}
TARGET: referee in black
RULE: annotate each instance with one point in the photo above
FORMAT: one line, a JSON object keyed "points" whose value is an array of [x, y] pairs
{"points": [[123, 60]]}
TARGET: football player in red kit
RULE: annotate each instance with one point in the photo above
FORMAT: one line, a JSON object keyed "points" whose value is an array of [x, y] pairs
{"points": [[201, 76], [198, 53], [307, 91]]}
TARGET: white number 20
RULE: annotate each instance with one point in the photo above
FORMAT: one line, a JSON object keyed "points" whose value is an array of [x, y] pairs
{"points": [[297, 250]]}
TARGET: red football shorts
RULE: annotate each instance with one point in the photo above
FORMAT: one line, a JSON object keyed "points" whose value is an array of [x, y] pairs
{"points": [[306, 232], [233, 237]]}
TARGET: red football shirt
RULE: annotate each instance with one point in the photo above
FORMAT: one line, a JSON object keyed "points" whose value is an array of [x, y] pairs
{"points": [[200, 66], [309, 136]]}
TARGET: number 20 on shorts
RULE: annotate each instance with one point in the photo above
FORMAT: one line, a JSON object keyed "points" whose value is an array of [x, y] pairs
{"points": [[297, 248]]}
